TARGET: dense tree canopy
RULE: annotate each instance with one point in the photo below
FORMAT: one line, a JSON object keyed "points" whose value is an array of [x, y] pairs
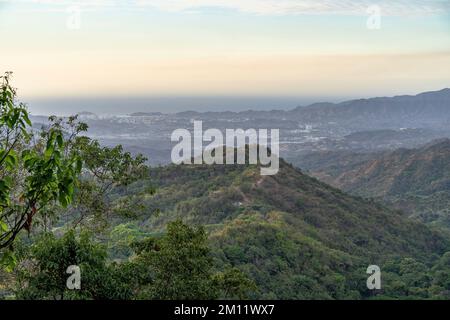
{"points": [[177, 265], [35, 171]]}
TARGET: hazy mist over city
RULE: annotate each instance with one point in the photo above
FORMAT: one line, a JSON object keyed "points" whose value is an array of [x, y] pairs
{"points": [[127, 105]]}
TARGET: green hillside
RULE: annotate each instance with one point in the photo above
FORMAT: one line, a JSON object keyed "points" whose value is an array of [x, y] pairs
{"points": [[295, 236], [414, 180]]}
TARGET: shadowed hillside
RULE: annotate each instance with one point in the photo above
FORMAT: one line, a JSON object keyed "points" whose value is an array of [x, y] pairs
{"points": [[414, 180]]}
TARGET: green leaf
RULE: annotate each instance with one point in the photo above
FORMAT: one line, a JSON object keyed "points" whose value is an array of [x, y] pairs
{"points": [[48, 151], [11, 160], [63, 200], [3, 226], [79, 165], [5, 185], [26, 118], [59, 140], [8, 260]]}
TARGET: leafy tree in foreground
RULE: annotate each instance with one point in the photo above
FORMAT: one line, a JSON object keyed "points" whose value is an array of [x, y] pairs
{"points": [[179, 266], [34, 171], [42, 273], [41, 174], [99, 197], [175, 266], [179, 263]]}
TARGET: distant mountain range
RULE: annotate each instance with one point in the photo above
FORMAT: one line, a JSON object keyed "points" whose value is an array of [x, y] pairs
{"points": [[422, 110], [426, 106], [364, 125]]}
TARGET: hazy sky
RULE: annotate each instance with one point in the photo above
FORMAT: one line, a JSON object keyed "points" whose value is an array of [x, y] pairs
{"points": [[225, 47]]}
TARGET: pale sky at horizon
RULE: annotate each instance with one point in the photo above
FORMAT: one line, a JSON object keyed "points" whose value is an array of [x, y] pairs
{"points": [[235, 48]]}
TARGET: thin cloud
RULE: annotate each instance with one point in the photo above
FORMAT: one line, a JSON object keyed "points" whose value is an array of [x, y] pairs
{"points": [[271, 7]]}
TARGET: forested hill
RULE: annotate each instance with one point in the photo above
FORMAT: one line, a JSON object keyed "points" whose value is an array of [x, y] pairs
{"points": [[295, 236], [414, 180]]}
